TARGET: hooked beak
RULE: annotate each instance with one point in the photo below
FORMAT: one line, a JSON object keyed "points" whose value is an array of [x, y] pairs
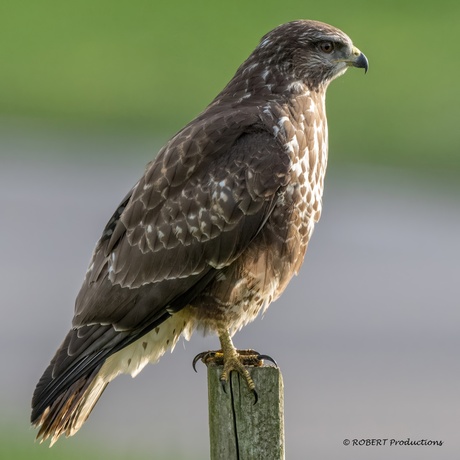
{"points": [[358, 60]]}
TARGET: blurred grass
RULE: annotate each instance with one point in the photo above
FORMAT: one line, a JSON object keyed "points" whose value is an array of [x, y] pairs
{"points": [[152, 66], [15, 445]]}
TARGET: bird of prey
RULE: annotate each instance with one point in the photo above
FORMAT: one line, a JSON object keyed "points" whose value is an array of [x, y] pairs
{"points": [[213, 231]]}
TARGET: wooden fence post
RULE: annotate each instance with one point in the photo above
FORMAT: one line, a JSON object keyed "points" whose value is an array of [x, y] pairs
{"points": [[240, 429]]}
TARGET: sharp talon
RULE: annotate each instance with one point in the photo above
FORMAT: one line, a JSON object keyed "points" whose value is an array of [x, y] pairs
{"points": [[233, 360], [197, 358], [268, 358]]}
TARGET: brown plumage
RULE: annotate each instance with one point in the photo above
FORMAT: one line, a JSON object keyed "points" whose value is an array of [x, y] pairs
{"points": [[213, 231]]}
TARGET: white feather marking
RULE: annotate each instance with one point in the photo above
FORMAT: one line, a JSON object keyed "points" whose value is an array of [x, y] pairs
{"points": [[267, 110], [251, 67], [282, 120], [317, 130], [293, 145], [297, 87], [111, 262], [265, 43]]}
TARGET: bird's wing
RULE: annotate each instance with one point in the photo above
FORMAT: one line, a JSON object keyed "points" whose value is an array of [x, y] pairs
{"points": [[196, 209], [198, 206]]}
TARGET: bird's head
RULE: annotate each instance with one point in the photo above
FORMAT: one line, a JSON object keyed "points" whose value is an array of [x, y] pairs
{"points": [[309, 51]]}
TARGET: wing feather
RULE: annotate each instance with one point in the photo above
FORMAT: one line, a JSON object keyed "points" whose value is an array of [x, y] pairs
{"points": [[196, 209]]}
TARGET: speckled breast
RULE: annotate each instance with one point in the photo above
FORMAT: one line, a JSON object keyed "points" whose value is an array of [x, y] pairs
{"points": [[247, 287]]}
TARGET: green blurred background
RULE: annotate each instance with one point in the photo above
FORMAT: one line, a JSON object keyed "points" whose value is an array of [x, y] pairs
{"points": [[153, 65], [142, 69]]}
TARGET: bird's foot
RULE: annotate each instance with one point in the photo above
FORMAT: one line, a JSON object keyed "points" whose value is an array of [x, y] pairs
{"points": [[237, 361], [246, 357]]}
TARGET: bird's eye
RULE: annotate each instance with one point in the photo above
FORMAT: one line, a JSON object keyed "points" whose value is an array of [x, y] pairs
{"points": [[326, 47]]}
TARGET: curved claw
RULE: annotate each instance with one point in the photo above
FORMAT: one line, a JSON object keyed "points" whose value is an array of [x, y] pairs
{"points": [[256, 396], [268, 358], [224, 386], [197, 358]]}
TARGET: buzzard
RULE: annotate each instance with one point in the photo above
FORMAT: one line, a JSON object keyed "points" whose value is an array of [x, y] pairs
{"points": [[213, 231]]}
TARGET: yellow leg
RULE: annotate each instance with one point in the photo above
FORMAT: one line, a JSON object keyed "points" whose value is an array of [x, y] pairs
{"points": [[235, 360]]}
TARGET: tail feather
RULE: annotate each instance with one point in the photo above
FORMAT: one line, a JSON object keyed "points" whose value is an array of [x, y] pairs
{"points": [[74, 381], [69, 388], [70, 409]]}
